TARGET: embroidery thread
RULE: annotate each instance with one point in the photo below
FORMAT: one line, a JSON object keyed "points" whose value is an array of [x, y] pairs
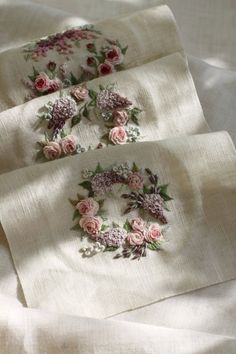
{"points": [[101, 56], [120, 120], [137, 234]]}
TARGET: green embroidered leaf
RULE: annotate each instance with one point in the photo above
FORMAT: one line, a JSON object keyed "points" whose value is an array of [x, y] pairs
{"points": [[101, 203], [124, 50], [101, 212], [35, 71], [100, 58], [34, 75], [134, 112], [115, 225], [163, 188], [165, 196], [92, 94], [73, 79], [165, 207], [92, 103], [76, 120], [86, 185], [134, 119], [154, 246], [62, 134], [146, 190], [101, 87], [135, 167], [163, 192], [77, 227], [111, 86], [104, 227], [127, 226], [27, 56], [80, 197], [73, 202], [40, 156], [41, 143], [32, 78], [98, 169], [85, 112], [118, 255], [105, 137], [76, 214], [110, 249]]}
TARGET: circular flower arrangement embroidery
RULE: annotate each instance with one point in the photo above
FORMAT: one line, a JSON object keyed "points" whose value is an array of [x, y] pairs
{"points": [[137, 234], [100, 56], [119, 117]]}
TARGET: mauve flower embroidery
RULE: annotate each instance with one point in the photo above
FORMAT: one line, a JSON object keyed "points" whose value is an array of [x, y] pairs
{"points": [[63, 109], [109, 100], [153, 203], [120, 125], [114, 237], [137, 234], [102, 182], [84, 47], [61, 42]]}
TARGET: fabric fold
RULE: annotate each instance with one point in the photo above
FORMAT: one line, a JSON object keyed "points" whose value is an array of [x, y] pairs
{"points": [[200, 247], [81, 53], [159, 102], [34, 331]]}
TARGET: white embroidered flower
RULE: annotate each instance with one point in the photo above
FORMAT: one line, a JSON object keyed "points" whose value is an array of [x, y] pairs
{"points": [[86, 173]]}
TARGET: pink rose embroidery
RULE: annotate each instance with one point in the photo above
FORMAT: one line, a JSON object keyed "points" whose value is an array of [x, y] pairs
{"points": [[91, 47], [51, 65], [91, 61], [52, 150], [68, 144], [138, 224], [88, 207], [135, 181], [135, 238], [54, 85], [114, 55], [118, 135], [120, 118], [91, 225], [153, 234], [42, 82], [105, 69], [79, 93]]}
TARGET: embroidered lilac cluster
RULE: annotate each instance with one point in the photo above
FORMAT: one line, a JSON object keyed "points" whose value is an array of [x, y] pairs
{"points": [[61, 42], [116, 112], [136, 235], [103, 57]]}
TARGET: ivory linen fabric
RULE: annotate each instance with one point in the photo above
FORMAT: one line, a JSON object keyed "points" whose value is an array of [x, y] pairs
{"points": [[162, 89], [201, 247], [32, 331], [149, 34]]}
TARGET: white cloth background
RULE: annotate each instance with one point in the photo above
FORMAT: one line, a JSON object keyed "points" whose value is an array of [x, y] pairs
{"points": [[208, 29]]}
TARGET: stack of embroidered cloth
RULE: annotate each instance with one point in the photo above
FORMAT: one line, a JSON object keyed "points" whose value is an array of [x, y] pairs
{"points": [[115, 195]]}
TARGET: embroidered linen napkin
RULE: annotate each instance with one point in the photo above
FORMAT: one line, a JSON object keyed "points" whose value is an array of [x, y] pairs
{"points": [[79, 54], [151, 102], [95, 276]]}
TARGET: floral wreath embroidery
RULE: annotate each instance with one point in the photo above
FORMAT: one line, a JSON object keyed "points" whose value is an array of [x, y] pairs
{"points": [[137, 234], [115, 111], [101, 59]]}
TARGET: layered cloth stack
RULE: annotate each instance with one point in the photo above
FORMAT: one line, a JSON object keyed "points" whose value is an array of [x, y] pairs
{"points": [[117, 203]]}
